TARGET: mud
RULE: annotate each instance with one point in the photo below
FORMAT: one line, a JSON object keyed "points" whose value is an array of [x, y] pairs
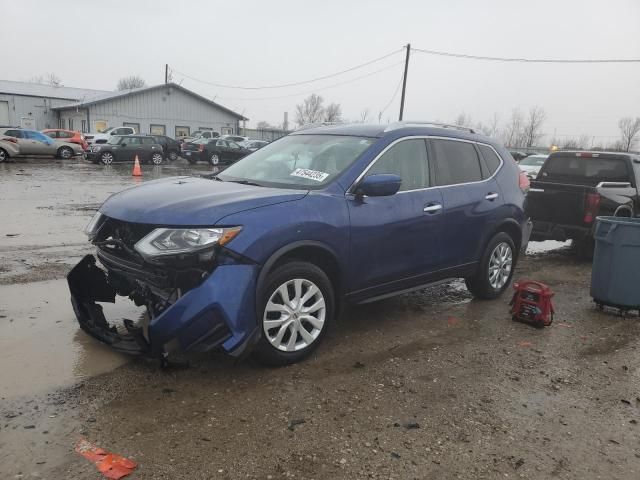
{"points": [[430, 384]]}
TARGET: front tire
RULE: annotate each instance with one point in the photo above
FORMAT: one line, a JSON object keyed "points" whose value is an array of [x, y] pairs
{"points": [[3, 155], [157, 159], [106, 158], [495, 269], [296, 308], [214, 159], [65, 153]]}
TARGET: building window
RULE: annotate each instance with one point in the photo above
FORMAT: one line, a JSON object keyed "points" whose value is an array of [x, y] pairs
{"points": [[182, 131], [71, 124], [135, 126], [100, 125], [226, 130], [63, 122], [83, 124], [157, 129]]}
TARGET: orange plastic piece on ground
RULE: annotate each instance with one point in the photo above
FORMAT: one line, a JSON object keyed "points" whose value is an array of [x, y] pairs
{"points": [[137, 171], [112, 466]]}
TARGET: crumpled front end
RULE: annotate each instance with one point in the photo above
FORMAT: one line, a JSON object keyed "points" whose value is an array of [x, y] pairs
{"points": [[193, 305]]}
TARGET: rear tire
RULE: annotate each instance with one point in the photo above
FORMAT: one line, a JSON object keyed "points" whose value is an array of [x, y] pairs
{"points": [[495, 270], [3, 155], [292, 328], [214, 159], [173, 156]]}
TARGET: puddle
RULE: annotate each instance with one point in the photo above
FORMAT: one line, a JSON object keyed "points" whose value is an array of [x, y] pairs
{"points": [[42, 346]]}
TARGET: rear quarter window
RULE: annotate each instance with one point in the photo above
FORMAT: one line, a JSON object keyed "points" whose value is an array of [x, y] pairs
{"points": [[585, 170], [490, 158], [456, 162]]}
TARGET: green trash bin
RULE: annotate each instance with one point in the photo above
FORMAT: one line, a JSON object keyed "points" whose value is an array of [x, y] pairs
{"points": [[615, 276]]}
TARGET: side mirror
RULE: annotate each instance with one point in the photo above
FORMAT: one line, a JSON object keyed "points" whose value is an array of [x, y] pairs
{"points": [[380, 185]]}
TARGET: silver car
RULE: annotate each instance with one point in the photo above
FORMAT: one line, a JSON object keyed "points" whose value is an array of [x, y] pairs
{"points": [[532, 164], [34, 143]]}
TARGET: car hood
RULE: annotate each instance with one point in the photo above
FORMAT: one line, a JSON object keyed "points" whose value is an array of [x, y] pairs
{"points": [[529, 168], [191, 201]]}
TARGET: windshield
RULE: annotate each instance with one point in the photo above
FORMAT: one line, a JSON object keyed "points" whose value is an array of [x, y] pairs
{"points": [[108, 130], [114, 140], [298, 161], [533, 161]]}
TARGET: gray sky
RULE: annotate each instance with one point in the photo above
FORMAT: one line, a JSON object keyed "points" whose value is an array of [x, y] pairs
{"points": [[92, 44]]}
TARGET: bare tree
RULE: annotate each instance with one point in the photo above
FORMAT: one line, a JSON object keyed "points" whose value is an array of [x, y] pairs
{"points": [[629, 130], [264, 125], [492, 128], [364, 115], [310, 110], [512, 135], [533, 125], [130, 82], [462, 120], [333, 113], [48, 79]]}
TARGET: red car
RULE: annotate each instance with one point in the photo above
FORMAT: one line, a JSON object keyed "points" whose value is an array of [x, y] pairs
{"points": [[70, 136]]}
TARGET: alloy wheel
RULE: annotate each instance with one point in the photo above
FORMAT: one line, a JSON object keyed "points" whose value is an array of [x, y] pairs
{"points": [[3, 155], [107, 158], [294, 315], [66, 153], [500, 264], [156, 159], [215, 159]]}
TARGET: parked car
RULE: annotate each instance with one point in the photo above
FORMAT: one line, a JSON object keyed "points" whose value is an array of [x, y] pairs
{"points": [[34, 143], [532, 164], [70, 136], [262, 256], [253, 145], [102, 137], [199, 134], [213, 151], [235, 138], [8, 148], [573, 188], [125, 149], [170, 147], [517, 156]]}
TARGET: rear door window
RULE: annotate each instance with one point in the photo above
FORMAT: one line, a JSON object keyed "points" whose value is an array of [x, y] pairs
{"points": [[456, 162], [408, 160], [490, 158], [148, 141]]}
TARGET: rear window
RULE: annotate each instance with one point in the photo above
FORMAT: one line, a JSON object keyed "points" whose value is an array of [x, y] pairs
{"points": [[585, 171]]}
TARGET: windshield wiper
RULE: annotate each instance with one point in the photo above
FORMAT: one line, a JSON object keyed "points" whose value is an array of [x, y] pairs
{"points": [[245, 182]]}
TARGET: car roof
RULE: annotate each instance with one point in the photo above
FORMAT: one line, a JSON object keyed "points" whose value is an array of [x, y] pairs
{"points": [[598, 153]]}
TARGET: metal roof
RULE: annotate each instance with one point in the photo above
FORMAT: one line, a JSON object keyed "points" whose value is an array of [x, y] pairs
{"points": [[47, 91], [107, 96]]}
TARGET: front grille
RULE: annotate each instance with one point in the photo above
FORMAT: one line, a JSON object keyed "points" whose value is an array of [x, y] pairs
{"points": [[119, 237]]}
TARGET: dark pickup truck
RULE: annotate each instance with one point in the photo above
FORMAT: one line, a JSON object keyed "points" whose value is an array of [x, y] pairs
{"points": [[573, 188]]}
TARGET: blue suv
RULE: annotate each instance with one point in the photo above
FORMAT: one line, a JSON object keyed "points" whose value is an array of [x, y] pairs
{"points": [[261, 257]]}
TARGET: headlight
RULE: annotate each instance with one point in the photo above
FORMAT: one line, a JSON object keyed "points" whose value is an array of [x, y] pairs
{"points": [[95, 148], [94, 225], [174, 241]]}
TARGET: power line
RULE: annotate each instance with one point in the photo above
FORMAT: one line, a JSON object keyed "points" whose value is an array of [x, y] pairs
{"points": [[355, 79], [528, 60], [284, 85], [395, 93]]}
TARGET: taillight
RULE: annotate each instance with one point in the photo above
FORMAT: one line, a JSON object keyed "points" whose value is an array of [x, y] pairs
{"points": [[592, 204], [10, 139], [201, 148], [523, 182]]}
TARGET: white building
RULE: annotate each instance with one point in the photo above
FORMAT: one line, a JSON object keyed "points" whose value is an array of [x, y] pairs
{"points": [[166, 109]]}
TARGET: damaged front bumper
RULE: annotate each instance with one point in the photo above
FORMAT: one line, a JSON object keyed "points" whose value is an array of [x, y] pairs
{"points": [[218, 313]]}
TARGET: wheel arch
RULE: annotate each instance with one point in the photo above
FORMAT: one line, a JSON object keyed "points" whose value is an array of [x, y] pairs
{"points": [[317, 253], [511, 228]]}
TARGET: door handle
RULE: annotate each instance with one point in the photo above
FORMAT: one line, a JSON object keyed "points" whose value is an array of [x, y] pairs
{"points": [[491, 196], [433, 208]]}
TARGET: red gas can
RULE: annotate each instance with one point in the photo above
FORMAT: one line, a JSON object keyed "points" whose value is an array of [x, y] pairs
{"points": [[531, 303]]}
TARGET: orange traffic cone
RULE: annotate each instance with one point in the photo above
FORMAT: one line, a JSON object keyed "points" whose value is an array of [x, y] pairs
{"points": [[137, 171]]}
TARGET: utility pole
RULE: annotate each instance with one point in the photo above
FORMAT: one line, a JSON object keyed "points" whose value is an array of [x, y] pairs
{"points": [[166, 73], [404, 80]]}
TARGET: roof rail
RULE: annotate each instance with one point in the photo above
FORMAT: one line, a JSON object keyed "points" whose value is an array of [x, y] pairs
{"points": [[408, 123], [318, 124]]}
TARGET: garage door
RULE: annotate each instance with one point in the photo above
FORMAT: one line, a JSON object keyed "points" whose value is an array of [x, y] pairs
{"points": [[4, 113]]}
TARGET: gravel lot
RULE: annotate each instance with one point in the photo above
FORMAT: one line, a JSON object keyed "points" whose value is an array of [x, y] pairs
{"points": [[427, 385]]}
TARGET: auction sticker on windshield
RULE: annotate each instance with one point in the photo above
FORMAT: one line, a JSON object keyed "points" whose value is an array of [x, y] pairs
{"points": [[309, 174]]}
